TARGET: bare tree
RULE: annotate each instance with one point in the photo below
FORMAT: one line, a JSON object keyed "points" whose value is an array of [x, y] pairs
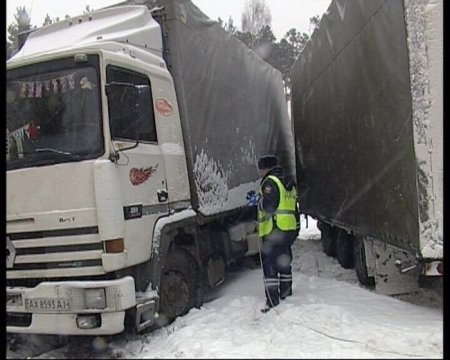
{"points": [[314, 22], [17, 31], [227, 26], [255, 16]]}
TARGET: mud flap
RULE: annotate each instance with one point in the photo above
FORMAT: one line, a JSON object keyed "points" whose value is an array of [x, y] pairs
{"points": [[216, 271], [395, 270], [145, 313]]}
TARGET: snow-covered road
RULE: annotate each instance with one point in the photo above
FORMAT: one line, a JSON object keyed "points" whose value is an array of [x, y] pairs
{"points": [[329, 316]]}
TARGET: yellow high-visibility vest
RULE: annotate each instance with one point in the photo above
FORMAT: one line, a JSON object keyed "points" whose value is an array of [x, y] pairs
{"points": [[284, 216]]}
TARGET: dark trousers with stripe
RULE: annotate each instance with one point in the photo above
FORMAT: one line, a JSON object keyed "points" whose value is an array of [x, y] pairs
{"points": [[276, 261]]}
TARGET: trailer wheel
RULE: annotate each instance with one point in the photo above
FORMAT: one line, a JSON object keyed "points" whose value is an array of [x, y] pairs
{"points": [[361, 265], [180, 286], [344, 249], [328, 236]]}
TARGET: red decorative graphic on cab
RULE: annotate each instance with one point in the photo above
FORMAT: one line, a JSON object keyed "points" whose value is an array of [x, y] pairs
{"points": [[138, 176], [164, 107]]}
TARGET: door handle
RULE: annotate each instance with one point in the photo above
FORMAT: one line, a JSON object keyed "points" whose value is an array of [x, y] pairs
{"points": [[162, 195]]}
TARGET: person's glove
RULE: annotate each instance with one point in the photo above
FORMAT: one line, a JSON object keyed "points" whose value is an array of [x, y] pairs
{"points": [[252, 198]]}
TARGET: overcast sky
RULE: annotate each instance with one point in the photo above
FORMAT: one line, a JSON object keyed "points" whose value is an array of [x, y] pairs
{"points": [[286, 14]]}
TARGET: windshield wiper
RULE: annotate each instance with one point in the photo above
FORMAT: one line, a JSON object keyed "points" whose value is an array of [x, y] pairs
{"points": [[56, 151]]}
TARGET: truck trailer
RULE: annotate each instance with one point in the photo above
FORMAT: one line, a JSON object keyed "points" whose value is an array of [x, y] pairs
{"points": [[367, 108], [133, 134]]}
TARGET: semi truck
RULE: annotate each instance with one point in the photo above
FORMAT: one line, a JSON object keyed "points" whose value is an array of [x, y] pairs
{"points": [[367, 109], [132, 140]]}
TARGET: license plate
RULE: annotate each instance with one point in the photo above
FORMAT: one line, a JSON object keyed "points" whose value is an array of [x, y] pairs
{"points": [[47, 304]]}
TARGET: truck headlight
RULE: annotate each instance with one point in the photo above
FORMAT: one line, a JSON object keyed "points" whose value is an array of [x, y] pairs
{"points": [[95, 298]]}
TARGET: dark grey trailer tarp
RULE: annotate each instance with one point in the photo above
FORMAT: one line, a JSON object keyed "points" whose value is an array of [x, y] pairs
{"points": [[231, 102], [353, 125]]}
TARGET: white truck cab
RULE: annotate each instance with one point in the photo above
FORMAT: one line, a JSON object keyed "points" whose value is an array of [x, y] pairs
{"points": [[86, 182]]}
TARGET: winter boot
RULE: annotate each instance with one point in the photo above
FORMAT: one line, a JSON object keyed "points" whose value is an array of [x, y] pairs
{"points": [[266, 308], [285, 286], [269, 306]]}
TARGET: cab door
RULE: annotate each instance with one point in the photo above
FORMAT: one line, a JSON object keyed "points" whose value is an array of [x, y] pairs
{"points": [[141, 164]]}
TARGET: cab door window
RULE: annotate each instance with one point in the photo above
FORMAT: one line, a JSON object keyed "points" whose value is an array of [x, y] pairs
{"points": [[123, 120]]}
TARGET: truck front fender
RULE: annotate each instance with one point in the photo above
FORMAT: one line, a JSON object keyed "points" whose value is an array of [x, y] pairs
{"points": [[164, 235]]}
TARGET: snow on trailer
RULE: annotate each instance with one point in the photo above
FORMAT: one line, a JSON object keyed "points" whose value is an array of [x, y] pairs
{"points": [[367, 112]]}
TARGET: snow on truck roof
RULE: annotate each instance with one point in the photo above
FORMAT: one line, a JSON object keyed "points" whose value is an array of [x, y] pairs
{"points": [[132, 24]]}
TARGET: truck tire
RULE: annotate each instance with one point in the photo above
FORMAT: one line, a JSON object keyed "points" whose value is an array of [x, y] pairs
{"points": [[180, 286], [344, 249], [359, 257], [328, 236]]}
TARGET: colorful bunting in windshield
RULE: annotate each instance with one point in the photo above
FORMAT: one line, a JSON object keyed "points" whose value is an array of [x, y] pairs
{"points": [[35, 89]]}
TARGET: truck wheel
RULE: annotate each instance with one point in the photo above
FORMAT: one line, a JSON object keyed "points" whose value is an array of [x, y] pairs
{"points": [[328, 235], [359, 257], [344, 249], [180, 286]]}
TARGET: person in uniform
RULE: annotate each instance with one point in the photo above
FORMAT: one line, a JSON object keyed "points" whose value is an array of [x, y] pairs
{"points": [[278, 227]]}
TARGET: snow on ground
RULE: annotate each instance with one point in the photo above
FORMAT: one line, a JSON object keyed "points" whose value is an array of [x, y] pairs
{"points": [[329, 316]]}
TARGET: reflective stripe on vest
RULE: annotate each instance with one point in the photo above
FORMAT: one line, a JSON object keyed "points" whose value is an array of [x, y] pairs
{"points": [[284, 215]]}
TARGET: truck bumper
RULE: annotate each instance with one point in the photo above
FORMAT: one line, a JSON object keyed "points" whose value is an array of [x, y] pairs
{"points": [[70, 307]]}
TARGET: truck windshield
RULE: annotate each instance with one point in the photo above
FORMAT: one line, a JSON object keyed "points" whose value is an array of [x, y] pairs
{"points": [[53, 116]]}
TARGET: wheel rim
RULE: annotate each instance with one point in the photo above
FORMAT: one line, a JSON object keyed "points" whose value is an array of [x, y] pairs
{"points": [[174, 294]]}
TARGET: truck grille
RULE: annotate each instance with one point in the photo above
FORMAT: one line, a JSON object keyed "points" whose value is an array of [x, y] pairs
{"points": [[60, 253]]}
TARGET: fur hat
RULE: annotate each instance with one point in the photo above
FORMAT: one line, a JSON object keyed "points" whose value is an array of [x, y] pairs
{"points": [[267, 162]]}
